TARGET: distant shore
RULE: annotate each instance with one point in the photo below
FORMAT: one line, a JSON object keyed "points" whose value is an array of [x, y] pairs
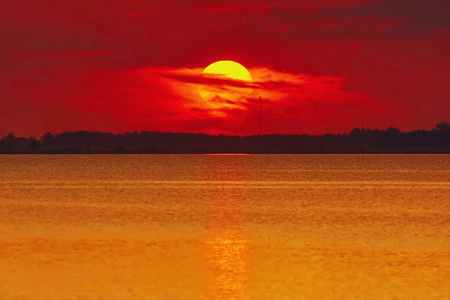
{"points": [[210, 153], [370, 141]]}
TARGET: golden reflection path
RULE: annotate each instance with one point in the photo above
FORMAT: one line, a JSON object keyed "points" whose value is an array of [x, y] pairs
{"points": [[226, 245]]}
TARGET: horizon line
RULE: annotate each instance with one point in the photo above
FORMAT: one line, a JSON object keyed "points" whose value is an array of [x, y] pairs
{"points": [[443, 124]]}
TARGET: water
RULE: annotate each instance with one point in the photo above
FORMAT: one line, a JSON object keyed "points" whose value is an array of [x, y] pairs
{"points": [[224, 226]]}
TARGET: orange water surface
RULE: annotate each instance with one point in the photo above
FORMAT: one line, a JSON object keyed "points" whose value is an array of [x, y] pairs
{"points": [[224, 226]]}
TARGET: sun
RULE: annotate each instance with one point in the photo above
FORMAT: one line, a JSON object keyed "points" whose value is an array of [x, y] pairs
{"points": [[226, 84]]}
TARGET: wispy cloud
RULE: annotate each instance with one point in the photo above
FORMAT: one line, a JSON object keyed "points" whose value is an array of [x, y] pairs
{"points": [[59, 53], [291, 101]]}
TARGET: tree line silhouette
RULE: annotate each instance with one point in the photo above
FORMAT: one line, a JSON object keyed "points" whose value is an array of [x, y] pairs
{"points": [[390, 140]]}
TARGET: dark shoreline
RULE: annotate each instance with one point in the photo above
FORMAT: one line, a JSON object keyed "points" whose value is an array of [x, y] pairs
{"points": [[216, 153], [358, 141]]}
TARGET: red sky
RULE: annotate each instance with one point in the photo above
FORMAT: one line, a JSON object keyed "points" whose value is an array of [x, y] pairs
{"points": [[319, 65]]}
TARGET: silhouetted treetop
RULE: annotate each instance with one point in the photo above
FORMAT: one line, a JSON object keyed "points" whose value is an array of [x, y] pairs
{"points": [[390, 140]]}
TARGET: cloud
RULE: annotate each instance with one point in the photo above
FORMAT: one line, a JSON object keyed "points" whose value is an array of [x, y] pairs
{"points": [[195, 76], [277, 8], [341, 18], [59, 53], [349, 23], [292, 102], [120, 66], [168, 99], [417, 17]]}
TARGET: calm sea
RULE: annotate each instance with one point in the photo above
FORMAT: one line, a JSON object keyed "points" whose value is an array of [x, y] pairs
{"points": [[224, 226]]}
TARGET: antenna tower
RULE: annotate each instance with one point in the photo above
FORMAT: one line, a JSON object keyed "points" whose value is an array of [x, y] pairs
{"points": [[260, 115]]}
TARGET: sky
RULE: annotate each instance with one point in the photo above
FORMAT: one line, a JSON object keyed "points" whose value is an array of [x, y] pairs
{"points": [[319, 66]]}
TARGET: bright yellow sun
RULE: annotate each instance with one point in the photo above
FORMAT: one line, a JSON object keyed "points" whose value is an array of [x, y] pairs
{"points": [[226, 85]]}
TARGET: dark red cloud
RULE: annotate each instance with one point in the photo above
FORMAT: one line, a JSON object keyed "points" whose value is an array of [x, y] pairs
{"points": [[56, 53], [86, 65]]}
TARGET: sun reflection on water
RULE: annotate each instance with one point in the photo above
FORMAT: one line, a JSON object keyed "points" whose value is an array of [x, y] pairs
{"points": [[227, 259], [227, 245]]}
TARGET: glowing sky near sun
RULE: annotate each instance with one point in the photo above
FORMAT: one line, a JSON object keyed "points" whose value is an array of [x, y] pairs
{"points": [[319, 66]]}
